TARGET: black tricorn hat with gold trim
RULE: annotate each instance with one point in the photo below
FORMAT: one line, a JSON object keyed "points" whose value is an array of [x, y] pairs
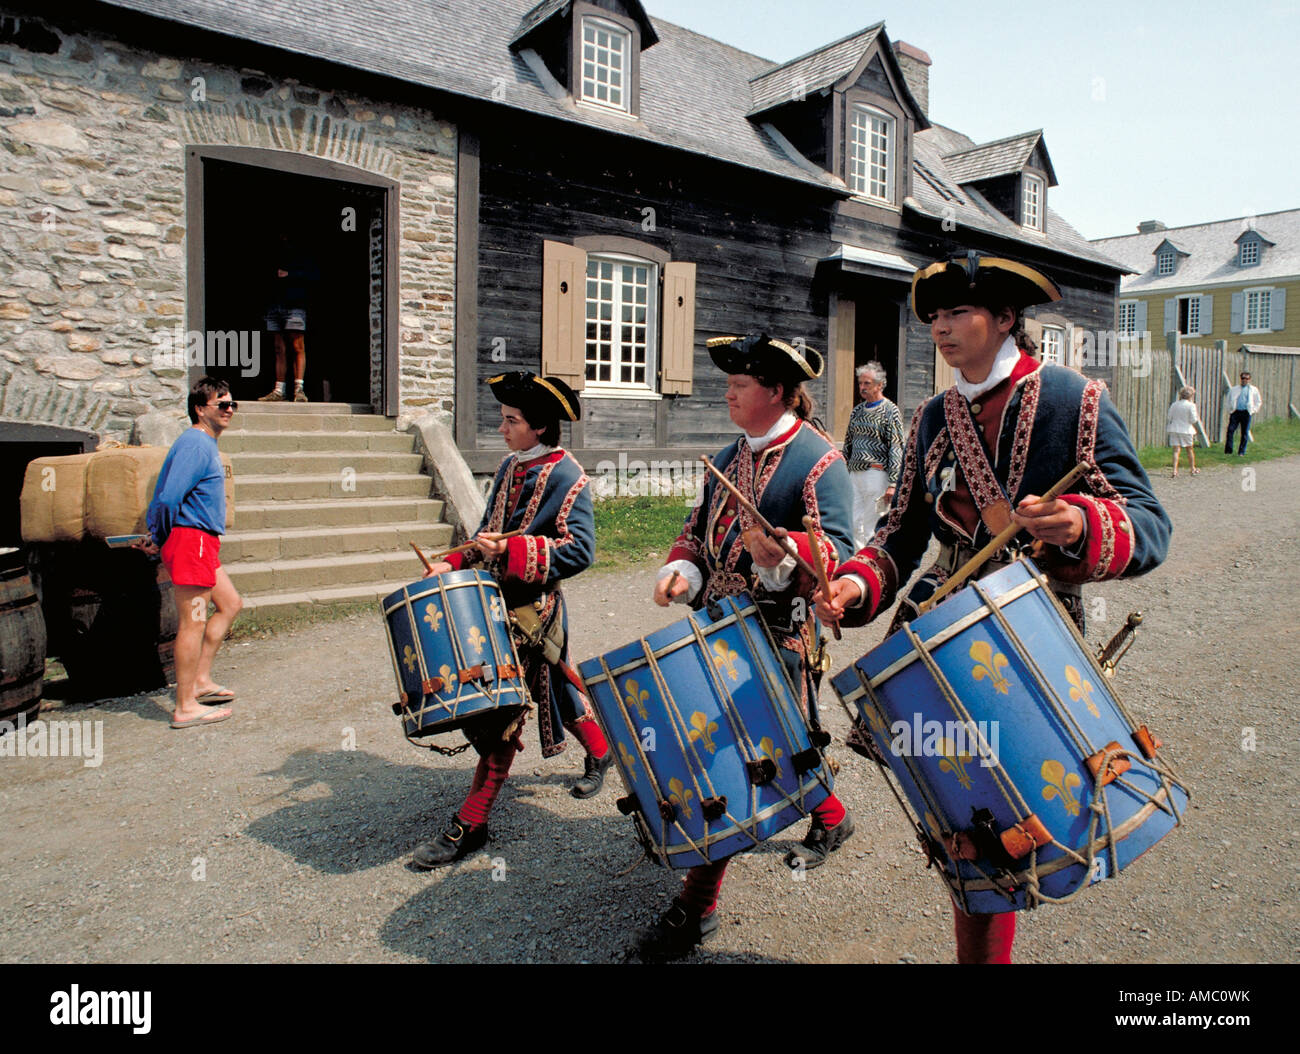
{"points": [[540, 398], [762, 356], [985, 281]]}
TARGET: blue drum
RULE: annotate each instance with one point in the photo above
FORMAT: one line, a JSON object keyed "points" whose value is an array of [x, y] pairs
{"points": [[708, 735], [1026, 778], [452, 651]]}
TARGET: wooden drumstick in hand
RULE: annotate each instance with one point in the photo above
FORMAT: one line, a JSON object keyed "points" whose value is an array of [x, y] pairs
{"points": [[819, 565], [428, 567]]}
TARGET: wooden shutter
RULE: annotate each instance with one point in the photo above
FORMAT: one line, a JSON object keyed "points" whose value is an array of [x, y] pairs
{"points": [[1207, 315], [677, 363], [1277, 310], [1074, 356], [1238, 320], [564, 313], [1140, 318], [1034, 331], [843, 357], [1171, 316]]}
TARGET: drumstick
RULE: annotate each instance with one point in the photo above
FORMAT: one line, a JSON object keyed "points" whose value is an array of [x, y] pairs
{"points": [[672, 581], [1003, 536], [470, 543], [819, 563], [428, 567], [784, 543]]}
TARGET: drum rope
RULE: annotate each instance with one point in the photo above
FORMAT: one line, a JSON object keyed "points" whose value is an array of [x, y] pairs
{"points": [[636, 739]]}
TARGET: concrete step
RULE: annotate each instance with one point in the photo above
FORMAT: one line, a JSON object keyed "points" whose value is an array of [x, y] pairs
{"points": [[252, 578], [336, 485], [296, 602], [326, 462], [254, 406], [287, 515], [305, 542], [285, 420], [240, 441]]}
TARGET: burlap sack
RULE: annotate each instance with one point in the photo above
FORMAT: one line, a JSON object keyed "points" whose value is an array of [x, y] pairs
{"points": [[53, 501], [119, 487]]}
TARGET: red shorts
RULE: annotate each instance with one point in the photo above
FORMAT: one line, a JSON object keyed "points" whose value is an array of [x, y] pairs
{"points": [[191, 557]]}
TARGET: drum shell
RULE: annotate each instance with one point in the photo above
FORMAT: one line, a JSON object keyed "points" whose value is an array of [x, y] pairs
{"points": [[1040, 705], [22, 640], [439, 626], [684, 710]]}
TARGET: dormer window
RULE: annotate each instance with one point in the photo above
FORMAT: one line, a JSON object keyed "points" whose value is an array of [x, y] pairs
{"points": [[605, 61], [871, 154], [1031, 203], [1248, 253], [1165, 262]]}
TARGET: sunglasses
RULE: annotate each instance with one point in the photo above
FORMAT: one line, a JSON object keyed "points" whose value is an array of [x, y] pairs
{"points": [[226, 404]]}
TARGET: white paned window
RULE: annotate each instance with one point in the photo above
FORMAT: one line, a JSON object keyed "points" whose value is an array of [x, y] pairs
{"points": [[1249, 253], [605, 63], [1189, 315], [622, 293], [1128, 317], [1165, 262], [871, 154], [1053, 345], [1259, 307], [1031, 209]]}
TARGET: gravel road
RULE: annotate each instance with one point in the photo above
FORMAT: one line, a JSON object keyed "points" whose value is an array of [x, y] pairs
{"points": [[284, 833]]}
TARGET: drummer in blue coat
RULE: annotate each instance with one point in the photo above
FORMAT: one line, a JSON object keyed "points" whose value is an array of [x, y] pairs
{"points": [[978, 458], [540, 490], [787, 467]]}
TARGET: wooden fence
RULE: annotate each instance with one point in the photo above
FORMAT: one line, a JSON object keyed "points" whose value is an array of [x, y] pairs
{"points": [[1142, 396]]}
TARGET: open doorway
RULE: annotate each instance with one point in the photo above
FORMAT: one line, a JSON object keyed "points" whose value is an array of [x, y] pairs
{"points": [[327, 235], [876, 336]]}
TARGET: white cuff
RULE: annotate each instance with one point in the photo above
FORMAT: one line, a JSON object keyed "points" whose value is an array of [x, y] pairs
{"points": [[775, 579], [861, 583], [1079, 549], [690, 572]]}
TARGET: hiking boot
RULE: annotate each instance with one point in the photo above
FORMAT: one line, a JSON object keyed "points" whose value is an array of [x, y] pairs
{"points": [[299, 396], [273, 396], [819, 843], [456, 841], [678, 930], [593, 777]]}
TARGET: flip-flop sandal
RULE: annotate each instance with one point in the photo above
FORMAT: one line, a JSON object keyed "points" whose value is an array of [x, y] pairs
{"points": [[202, 719], [216, 696]]}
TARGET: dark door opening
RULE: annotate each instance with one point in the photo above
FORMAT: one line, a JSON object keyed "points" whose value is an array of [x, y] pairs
{"points": [[876, 337], [254, 216]]}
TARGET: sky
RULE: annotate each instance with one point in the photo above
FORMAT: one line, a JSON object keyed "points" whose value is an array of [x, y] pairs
{"points": [[1181, 112]]}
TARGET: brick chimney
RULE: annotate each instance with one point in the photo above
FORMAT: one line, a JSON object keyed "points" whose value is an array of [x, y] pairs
{"points": [[1147, 226], [915, 65]]}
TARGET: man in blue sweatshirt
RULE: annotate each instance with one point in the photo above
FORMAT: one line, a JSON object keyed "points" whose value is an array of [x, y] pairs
{"points": [[187, 518]]}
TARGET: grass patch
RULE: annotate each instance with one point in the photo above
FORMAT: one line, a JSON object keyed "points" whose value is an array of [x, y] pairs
{"points": [[1273, 439], [628, 530], [264, 627]]}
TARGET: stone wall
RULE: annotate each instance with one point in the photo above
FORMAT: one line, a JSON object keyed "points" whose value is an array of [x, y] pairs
{"points": [[93, 133]]}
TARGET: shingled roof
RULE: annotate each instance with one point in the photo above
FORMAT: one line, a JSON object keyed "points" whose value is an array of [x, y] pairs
{"points": [[1001, 157], [811, 72], [547, 9], [1211, 250]]}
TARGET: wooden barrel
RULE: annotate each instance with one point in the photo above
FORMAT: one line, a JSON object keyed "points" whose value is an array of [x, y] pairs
{"points": [[22, 640]]}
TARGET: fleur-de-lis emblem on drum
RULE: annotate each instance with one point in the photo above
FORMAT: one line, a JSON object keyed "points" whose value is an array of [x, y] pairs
{"points": [[680, 796], [724, 658], [433, 616], [702, 730], [637, 697], [955, 763], [497, 611], [873, 719], [989, 665], [477, 639], [408, 658], [444, 671], [1081, 690], [629, 762], [765, 747], [1060, 784]]}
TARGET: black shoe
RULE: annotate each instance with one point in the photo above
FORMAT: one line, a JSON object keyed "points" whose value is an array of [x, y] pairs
{"points": [[819, 843], [593, 777], [455, 842], [678, 930]]}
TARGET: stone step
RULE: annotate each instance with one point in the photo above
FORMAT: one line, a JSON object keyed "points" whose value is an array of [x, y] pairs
{"points": [[239, 441], [287, 515], [305, 542], [326, 462], [297, 602], [335, 485], [283, 420], [253, 578], [254, 406]]}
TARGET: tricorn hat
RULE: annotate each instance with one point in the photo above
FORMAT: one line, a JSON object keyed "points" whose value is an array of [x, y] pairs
{"points": [[540, 398], [760, 355], [986, 281]]}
